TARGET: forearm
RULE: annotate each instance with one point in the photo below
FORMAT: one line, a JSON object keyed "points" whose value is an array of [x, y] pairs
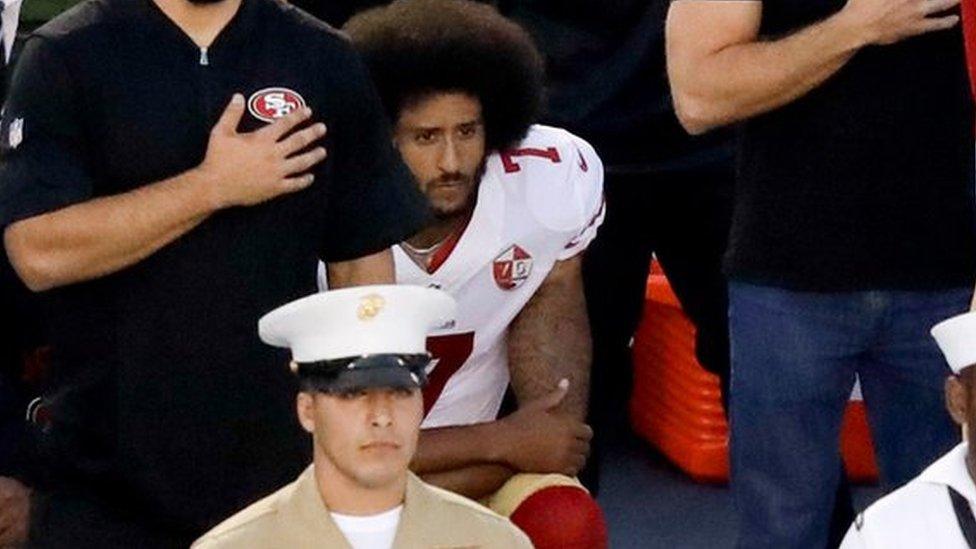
{"points": [[550, 340], [737, 81], [104, 235], [446, 449], [475, 482], [371, 269]]}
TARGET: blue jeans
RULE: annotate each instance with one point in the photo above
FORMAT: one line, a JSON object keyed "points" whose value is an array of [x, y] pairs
{"points": [[794, 360]]}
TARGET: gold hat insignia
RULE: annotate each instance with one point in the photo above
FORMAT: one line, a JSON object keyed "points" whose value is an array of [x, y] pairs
{"points": [[370, 306]]}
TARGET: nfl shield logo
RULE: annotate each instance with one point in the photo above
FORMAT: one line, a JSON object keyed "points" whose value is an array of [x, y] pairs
{"points": [[16, 133], [512, 267]]}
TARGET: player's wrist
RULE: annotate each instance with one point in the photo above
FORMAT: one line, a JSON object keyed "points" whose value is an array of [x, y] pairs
{"points": [[500, 438]]}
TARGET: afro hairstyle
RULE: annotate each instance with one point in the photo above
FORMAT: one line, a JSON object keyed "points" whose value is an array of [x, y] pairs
{"points": [[415, 48]]}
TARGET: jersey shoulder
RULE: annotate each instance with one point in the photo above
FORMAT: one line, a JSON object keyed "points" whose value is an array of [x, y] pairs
{"points": [[543, 135], [547, 153], [558, 175]]}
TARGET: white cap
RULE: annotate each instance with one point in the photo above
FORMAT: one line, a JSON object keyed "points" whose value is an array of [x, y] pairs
{"points": [[957, 339], [358, 321]]}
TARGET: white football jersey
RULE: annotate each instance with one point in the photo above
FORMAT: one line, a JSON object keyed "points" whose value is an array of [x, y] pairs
{"points": [[538, 203]]}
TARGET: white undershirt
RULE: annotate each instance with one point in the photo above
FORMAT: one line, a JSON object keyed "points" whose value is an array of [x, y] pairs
{"points": [[369, 532]]}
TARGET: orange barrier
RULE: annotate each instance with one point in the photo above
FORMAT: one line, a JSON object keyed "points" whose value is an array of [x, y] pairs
{"points": [[677, 406]]}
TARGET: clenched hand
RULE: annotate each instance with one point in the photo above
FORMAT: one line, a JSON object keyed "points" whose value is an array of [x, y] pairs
{"points": [[541, 439]]}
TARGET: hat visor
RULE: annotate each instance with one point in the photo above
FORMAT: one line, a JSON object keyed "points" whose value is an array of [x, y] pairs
{"points": [[374, 372]]}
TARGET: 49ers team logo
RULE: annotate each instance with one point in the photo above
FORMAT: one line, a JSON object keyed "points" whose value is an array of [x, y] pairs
{"points": [[271, 104], [512, 267]]}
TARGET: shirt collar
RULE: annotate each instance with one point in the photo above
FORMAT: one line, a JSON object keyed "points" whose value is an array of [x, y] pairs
{"points": [[950, 470], [310, 516], [239, 30], [232, 37], [315, 517]]}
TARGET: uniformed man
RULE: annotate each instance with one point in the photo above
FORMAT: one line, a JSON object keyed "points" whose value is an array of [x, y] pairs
{"points": [[360, 357], [936, 508]]}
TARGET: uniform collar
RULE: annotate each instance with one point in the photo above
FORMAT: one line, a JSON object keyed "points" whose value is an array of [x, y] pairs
{"points": [[241, 28], [306, 515], [417, 511], [310, 514], [423, 507], [950, 470], [232, 38], [313, 516]]}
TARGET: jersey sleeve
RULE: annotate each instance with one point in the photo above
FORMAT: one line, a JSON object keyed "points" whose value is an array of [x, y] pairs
{"points": [[373, 201], [41, 138], [560, 178], [586, 183]]}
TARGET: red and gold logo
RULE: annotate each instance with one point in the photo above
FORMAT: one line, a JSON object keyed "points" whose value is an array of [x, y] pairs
{"points": [[271, 104], [512, 267]]}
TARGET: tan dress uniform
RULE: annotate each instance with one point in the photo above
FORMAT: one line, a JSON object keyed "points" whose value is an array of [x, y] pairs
{"points": [[296, 517]]}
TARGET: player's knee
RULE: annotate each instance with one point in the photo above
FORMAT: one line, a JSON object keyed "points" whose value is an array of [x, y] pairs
{"points": [[563, 517]]}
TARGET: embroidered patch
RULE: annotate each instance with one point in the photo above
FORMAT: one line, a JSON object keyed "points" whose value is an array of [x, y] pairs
{"points": [[512, 267]]}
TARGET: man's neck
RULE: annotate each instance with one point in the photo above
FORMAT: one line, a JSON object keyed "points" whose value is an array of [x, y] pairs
{"points": [[342, 495], [201, 22], [438, 231]]}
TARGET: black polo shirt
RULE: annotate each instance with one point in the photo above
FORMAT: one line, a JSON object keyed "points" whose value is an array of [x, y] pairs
{"points": [[167, 403], [867, 181]]}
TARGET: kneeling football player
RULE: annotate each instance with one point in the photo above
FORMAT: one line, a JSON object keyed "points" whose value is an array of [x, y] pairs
{"points": [[514, 206]]}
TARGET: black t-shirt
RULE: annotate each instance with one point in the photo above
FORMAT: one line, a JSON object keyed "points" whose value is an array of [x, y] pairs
{"points": [[867, 181], [166, 399]]}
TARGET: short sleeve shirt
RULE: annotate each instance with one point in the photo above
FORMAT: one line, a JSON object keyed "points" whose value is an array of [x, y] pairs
{"points": [[164, 396]]}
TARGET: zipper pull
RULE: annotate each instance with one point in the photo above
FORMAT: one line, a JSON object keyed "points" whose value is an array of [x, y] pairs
{"points": [[204, 60]]}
